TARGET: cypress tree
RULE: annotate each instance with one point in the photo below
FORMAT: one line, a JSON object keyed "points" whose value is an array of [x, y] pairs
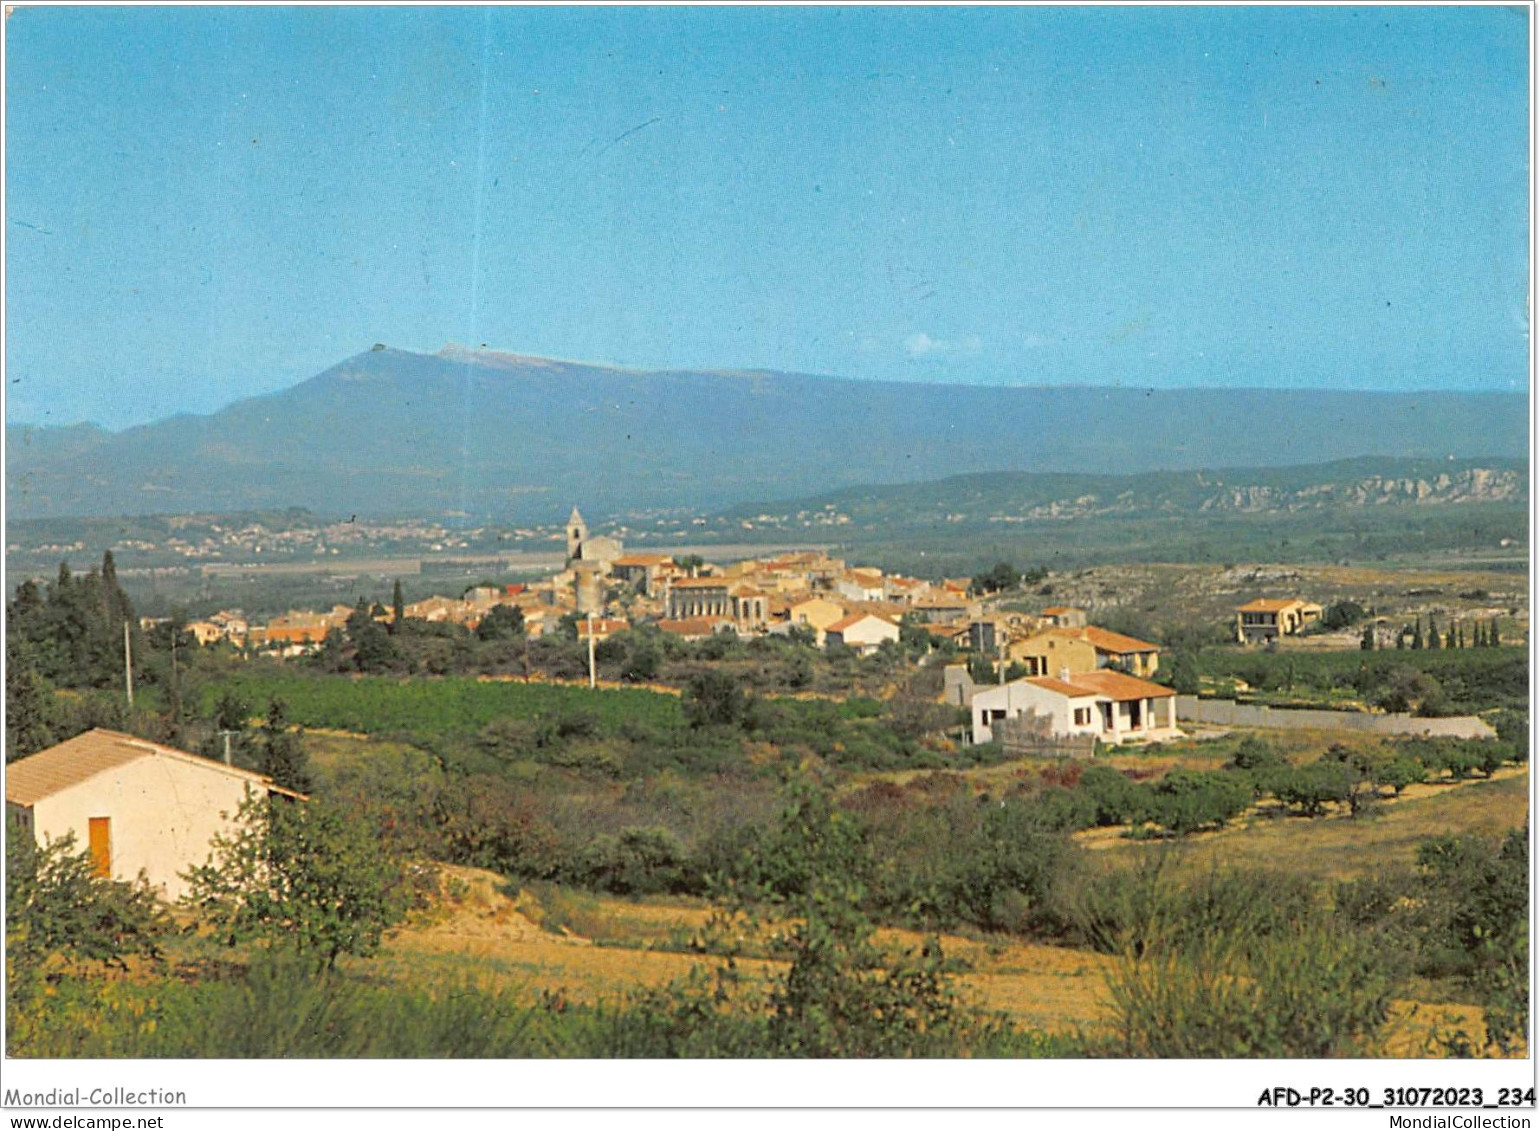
{"points": [[398, 608], [1494, 637], [1433, 638]]}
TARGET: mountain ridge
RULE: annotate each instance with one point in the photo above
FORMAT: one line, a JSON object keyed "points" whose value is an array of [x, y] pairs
{"points": [[517, 438]]}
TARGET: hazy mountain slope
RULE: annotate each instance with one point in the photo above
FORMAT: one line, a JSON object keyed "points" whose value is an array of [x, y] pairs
{"points": [[521, 439]]}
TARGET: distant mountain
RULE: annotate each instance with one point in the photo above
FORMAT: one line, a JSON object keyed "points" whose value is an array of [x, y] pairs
{"points": [[517, 439], [1028, 497]]}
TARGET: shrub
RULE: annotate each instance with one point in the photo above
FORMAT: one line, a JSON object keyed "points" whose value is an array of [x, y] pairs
{"points": [[1309, 993], [1184, 801], [1310, 788], [55, 904], [300, 876], [637, 861], [1117, 799], [714, 699], [1254, 753]]}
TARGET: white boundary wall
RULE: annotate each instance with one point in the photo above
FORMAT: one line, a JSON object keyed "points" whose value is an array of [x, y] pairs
{"points": [[1227, 712]]}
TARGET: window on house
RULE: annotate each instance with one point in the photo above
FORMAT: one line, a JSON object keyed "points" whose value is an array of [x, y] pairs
{"points": [[1082, 716]]}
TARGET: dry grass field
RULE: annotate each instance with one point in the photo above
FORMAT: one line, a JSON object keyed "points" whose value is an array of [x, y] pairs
{"points": [[478, 934], [1336, 847]]}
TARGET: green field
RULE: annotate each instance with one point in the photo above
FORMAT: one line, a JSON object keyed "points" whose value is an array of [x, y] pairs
{"points": [[447, 707]]}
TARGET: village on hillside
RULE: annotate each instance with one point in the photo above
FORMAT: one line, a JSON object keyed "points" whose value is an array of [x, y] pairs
{"points": [[1046, 682]]}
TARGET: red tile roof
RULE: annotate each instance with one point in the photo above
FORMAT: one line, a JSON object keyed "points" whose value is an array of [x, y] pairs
{"points": [[1116, 685], [1103, 640], [1049, 683], [1110, 685]]}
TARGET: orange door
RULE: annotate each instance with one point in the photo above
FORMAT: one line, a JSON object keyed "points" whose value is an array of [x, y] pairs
{"points": [[101, 846]]}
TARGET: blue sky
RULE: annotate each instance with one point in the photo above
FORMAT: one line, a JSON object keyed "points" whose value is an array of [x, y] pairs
{"points": [[204, 204]]}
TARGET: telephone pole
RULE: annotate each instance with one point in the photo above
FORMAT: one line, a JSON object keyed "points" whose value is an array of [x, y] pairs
{"points": [[128, 664], [593, 675]]}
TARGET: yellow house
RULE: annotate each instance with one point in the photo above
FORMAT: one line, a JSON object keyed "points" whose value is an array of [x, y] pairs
{"points": [[139, 807], [1053, 653], [816, 613], [1088, 649], [1266, 619]]}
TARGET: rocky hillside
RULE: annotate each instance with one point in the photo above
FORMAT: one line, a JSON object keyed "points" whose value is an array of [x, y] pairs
{"points": [[1028, 497]]}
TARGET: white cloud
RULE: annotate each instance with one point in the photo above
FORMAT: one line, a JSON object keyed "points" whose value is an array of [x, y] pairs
{"points": [[923, 345]]}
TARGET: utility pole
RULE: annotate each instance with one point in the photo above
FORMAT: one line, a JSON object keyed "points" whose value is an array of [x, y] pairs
{"points": [[226, 735], [128, 664], [593, 675]]}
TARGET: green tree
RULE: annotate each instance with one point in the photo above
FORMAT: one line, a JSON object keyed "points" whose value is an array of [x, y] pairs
{"points": [[1184, 672], [644, 659], [300, 876], [1342, 614], [282, 751], [332, 658], [30, 716], [1255, 753], [1400, 772], [398, 607], [1002, 576], [1311, 787], [502, 622], [231, 717], [1185, 800]]}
